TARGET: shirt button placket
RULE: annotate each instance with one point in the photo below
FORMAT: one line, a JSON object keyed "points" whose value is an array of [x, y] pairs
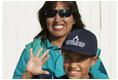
{"points": [[57, 63], [56, 54]]}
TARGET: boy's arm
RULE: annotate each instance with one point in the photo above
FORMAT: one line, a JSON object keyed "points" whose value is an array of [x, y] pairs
{"points": [[29, 68], [34, 65]]}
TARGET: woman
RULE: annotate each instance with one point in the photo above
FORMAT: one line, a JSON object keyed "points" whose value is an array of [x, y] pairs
{"points": [[57, 19]]}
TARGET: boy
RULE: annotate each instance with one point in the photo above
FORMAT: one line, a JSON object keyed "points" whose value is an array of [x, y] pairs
{"points": [[79, 54]]}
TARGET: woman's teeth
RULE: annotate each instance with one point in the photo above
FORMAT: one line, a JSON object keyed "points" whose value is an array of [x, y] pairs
{"points": [[58, 27]]}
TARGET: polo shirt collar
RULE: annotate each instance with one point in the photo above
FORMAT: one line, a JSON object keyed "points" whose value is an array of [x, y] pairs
{"points": [[48, 44]]}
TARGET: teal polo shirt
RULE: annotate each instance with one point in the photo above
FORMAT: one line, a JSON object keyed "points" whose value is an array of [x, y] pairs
{"points": [[55, 62]]}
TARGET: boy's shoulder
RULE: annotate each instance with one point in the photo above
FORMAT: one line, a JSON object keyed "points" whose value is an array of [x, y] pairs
{"points": [[63, 77], [90, 76], [53, 77], [66, 77]]}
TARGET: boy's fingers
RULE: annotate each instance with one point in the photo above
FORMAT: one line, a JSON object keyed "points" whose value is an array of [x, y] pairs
{"points": [[46, 59], [44, 54], [45, 72], [38, 53], [31, 54]]}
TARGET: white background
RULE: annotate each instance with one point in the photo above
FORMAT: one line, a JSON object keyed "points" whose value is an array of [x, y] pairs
{"points": [[20, 25]]}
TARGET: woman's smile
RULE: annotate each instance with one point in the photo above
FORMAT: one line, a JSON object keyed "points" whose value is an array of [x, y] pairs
{"points": [[58, 27]]}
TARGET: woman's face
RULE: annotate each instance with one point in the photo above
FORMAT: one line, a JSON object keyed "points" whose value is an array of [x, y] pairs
{"points": [[59, 27]]}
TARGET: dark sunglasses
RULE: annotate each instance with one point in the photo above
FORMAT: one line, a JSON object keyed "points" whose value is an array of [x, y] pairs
{"points": [[62, 13]]}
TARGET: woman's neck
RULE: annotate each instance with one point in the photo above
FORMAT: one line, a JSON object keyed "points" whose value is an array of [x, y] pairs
{"points": [[57, 41]]}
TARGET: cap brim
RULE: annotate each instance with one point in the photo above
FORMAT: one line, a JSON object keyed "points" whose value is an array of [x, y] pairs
{"points": [[75, 49]]}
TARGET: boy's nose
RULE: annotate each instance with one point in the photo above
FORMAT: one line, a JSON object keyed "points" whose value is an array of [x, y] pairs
{"points": [[73, 65]]}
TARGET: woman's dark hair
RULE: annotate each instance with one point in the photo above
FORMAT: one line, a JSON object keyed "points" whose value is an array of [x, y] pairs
{"points": [[52, 4]]}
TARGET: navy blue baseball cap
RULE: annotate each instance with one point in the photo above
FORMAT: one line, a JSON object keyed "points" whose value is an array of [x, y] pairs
{"points": [[81, 41]]}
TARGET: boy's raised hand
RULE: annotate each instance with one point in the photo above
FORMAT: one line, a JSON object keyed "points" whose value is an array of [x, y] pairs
{"points": [[34, 65]]}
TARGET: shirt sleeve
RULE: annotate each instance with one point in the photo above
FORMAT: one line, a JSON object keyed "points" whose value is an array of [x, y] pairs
{"points": [[21, 66]]}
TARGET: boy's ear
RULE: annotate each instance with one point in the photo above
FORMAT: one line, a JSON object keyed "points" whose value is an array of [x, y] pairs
{"points": [[94, 60]]}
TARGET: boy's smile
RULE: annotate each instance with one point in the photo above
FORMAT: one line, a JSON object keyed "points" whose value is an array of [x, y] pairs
{"points": [[77, 65]]}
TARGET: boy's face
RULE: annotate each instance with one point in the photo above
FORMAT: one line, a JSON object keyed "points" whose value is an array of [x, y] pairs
{"points": [[77, 65]]}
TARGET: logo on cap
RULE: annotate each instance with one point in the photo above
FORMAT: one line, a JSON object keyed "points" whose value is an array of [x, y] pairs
{"points": [[75, 42]]}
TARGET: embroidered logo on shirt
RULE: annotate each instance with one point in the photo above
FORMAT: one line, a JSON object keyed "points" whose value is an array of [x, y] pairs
{"points": [[75, 42]]}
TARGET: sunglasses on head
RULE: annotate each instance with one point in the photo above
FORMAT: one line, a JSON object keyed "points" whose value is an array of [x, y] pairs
{"points": [[62, 13]]}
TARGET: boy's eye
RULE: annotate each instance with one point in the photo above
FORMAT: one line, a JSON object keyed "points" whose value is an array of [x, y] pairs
{"points": [[67, 58], [80, 60]]}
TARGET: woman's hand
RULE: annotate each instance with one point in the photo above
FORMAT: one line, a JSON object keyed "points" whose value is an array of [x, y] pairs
{"points": [[34, 65]]}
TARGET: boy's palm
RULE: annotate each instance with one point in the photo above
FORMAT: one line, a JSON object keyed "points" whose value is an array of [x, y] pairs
{"points": [[34, 65]]}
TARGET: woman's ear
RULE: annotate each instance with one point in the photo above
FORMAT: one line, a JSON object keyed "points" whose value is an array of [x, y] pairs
{"points": [[73, 21], [94, 60]]}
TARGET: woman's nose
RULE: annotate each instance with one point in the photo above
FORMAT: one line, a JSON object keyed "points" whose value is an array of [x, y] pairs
{"points": [[57, 18]]}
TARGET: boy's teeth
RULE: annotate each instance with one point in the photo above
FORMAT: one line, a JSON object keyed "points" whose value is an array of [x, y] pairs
{"points": [[59, 27], [73, 72]]}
